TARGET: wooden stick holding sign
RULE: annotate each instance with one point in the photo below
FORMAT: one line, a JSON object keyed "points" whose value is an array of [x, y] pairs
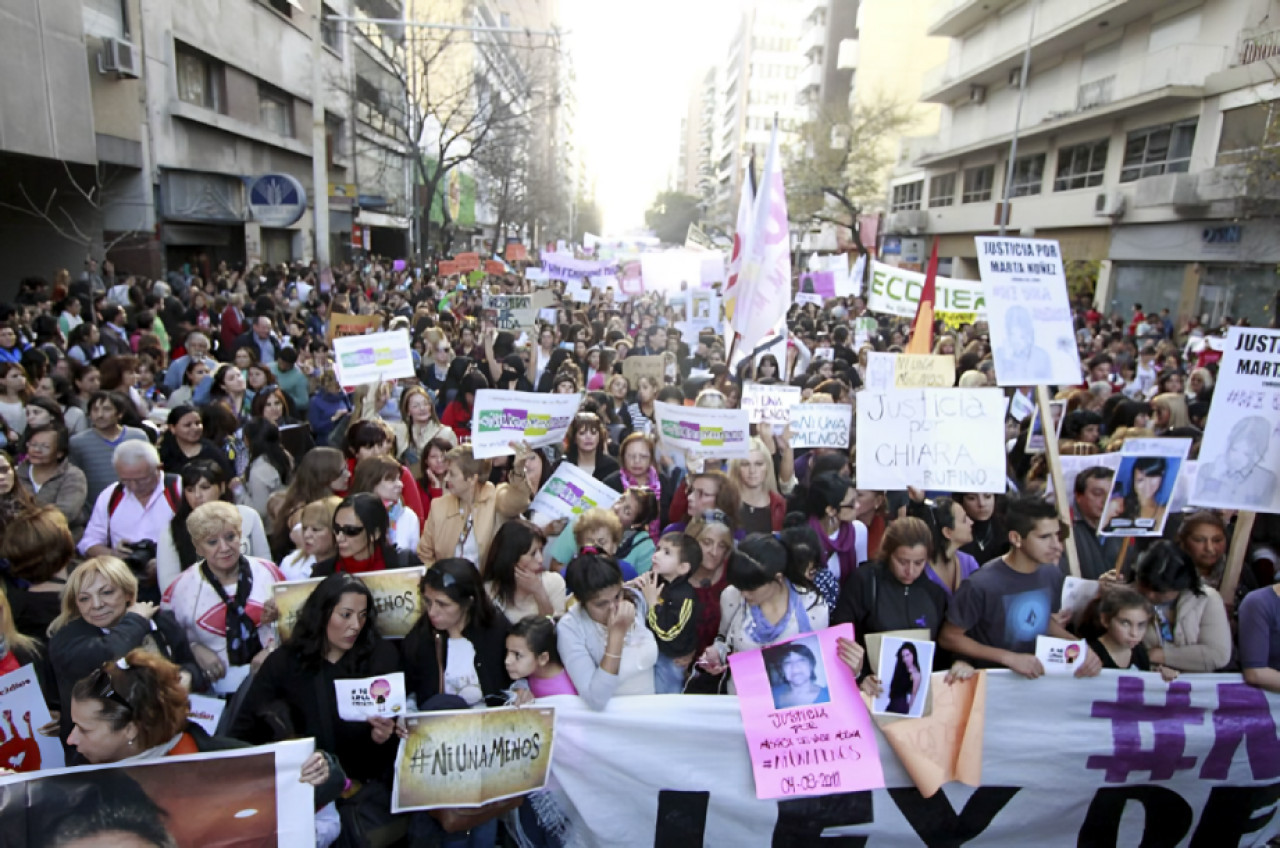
{"points": [[1235, 556], [1059, 487]]}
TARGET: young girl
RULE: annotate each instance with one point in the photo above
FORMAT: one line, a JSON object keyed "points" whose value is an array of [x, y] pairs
{"points": [[532, 659], [1125, 616]]}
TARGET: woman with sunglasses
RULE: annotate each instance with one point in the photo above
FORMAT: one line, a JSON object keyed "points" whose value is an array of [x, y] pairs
{"points": [[585, 446], [362, 530]]}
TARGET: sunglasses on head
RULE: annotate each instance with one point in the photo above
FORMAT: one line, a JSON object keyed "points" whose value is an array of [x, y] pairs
{"points": [[111, 682], [348, 529]]}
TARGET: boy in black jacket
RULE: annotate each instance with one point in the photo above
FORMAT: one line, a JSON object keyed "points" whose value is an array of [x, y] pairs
{"points": [[673, 609]]}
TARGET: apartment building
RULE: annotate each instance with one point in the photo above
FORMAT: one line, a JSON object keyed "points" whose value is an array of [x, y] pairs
{"points": [[697, 138], [1138, 121]]}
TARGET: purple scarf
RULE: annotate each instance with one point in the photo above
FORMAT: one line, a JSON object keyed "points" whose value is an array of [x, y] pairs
{"points": [[844, 546], [654, 484]]}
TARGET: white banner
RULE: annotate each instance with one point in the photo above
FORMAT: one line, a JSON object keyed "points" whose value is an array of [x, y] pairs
{"points": [[821, 425], [941, 439], [896, 291], [722, 433], [1241, 449], [771, 404], [1032, 335], [570, 492], [672, 270], [375, 358], [22, 746], [1064, 762], [501, 417]]}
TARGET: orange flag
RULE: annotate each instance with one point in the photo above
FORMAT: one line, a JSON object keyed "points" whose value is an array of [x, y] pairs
{"points": [[922, 330]]}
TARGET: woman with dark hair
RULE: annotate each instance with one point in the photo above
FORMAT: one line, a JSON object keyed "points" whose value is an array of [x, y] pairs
{"points": [[514, 575], [433, 467], [767, 368], [1140, 505], [84, 344], [559, 356], [273, 404], [830, 506], [585, 446], [1203, 537], [795, 667], [321, 473], [192, 376], [184, 443], [58, 389], [1129, 413], [49, 478], [990, 538], [604, 643], [1193, 633], [636, 510], [1082, 426], [905, 684], [15, 388], [643, 417], [457, 415], [362, 529], [270, 465], [228, 387], [458, 647], [374, 437], [292, 696], [952, 529], [39, 549], [381, 476], [203, 481], [222, 427]]}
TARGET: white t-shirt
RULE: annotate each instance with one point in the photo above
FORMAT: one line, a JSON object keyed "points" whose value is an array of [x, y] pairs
{"points": [[460, 677]]}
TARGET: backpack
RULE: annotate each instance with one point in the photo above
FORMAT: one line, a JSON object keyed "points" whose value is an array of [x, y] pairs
{"points": [[172, 494]]}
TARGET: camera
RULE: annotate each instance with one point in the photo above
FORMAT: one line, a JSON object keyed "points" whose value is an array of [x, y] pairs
{"points": [[140, 553]]}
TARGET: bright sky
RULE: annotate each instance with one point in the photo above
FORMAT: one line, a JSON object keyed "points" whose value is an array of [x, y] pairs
{"points": [[635, 65]]}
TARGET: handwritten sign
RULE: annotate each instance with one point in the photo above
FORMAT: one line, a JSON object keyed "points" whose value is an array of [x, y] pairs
{"points": [[501, 417], [342, 325], [371, 697], [808, 730], [653, 367], [373, 358], [467, 758], [395, 600], [881, 371], [722, 433], [570, 491], [941, 439], [924, 371], [770, 404], [820, 425]]}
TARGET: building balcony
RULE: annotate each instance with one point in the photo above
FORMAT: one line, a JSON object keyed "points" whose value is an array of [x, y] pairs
{"points": [[810, 79], [989, 54], [1256, 46], [813, 38], [814, 9], [953, 18], [847, 58]]}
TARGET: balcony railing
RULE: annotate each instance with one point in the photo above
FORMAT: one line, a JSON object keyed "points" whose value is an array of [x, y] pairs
{"points": [[1258, 47]]}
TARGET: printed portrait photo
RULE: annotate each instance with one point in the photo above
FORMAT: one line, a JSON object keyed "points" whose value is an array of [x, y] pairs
{"points": [[797, 674]]}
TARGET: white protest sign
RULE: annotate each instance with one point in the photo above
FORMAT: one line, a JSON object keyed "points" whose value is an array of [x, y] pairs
{"points": [[22, 704], [371, 697], [771, 404], [206, 712], [570, 491], [1060, 656], [1032, 335], [804, 298], [536, 275], [722, 433], [943, 439], [821, 425], [671, 270], [1021, 406], [896, 291], [375, 358], [1240, 455], [578, 291], [881, 369], [501, 417], [1142, 488]]}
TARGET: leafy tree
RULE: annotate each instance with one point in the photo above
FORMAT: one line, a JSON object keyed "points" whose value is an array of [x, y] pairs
{"points": [[671, 214]]}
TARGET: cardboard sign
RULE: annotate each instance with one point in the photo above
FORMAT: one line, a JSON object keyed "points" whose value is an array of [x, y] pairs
{"points": [[770, 404], [1032, 335], [372, 697], [653, 367], [467, 261], [342, 325], [467, 758], [494, 267], [821, 425], [1240, 456], [501, 417], [395, 600], [1143, 486], [373, 358], [516, 253], [808, 731], [722, 433], [570, 491], [934, 439], [924, 371]]}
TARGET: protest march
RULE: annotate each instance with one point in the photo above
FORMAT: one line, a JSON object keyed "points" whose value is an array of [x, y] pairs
{"points": [[559, 540]]}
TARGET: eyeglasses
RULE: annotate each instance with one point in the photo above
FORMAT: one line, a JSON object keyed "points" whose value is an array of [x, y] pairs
{"points": [[351, 530]]}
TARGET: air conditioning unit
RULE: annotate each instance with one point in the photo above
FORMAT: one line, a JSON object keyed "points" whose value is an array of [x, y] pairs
{"points": [[977, 94], [118, 57], [1108, 205]]}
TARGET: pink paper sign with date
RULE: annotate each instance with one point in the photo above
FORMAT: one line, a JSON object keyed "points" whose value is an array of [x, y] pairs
{"points": [[808, 730]]}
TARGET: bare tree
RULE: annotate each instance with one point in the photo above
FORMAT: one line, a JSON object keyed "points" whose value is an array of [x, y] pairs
{"points": [[58, 209], [837, 167]]}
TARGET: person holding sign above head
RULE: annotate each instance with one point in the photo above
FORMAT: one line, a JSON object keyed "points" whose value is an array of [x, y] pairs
{"points": [[997, 613], [462, 521], [1139, 505]]}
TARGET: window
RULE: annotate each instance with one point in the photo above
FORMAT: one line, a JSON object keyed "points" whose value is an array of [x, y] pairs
{"points": [[942, 190], [332, 138], [284, 7], [330, 31], [275, 110], [200, 79], [977, 184], [1028, 176], [1158, 150], [367, 92], [1081, 166], [907, 196], [105, 18], [1247, 129]]}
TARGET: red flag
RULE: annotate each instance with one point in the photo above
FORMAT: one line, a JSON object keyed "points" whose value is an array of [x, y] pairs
{"points": [[922, 330]]}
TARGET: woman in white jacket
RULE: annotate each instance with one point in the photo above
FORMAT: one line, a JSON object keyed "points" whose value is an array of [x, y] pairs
{"points": [[382, 476], [203, 481], [603, 641]]}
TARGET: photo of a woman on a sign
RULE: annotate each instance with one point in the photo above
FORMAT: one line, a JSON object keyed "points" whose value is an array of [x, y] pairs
{"points": [[797, 674], [1140, 496]]}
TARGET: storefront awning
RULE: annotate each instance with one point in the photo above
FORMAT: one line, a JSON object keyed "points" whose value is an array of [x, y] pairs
{"points": [[381, 219]]}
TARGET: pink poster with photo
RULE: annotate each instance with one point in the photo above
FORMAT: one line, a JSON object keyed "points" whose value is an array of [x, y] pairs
{"points": [[808, 730]]}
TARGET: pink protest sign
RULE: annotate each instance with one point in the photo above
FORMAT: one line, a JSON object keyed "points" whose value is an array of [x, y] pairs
{"points": [[808, 730]]}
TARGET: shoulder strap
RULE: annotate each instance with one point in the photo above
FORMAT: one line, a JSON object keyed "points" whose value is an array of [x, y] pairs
{"points": [[171, 493], [117, 495]]}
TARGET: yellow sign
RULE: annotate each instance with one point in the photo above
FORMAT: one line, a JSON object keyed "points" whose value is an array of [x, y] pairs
{"points": [[653, 367], [395, 600], [924, 371], [469, 758]]}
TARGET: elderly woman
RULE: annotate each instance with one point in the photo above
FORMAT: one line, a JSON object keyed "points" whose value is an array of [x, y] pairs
{"points": [[101, 620], [1192, 632], [463, 520], [203, 481], [222, 602], [638, 468], [49, 478], [1203, 537]]}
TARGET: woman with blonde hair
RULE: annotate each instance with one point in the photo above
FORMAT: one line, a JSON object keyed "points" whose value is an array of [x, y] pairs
{"points": [[418, 425], [1171, 412], [102, 619], [322, 472], [318, 540], [16, 648], [762, 507]]}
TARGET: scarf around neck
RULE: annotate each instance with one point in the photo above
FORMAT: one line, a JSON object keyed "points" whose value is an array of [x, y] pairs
{"points": [[844, 546], [243, 642], [760, 631]]}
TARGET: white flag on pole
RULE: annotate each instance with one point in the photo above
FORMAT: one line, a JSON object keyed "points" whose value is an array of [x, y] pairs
{"points": [[764, 280]]}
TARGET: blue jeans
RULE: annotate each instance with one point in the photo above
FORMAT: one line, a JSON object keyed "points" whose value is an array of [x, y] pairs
{"points": [[668, 678]]}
